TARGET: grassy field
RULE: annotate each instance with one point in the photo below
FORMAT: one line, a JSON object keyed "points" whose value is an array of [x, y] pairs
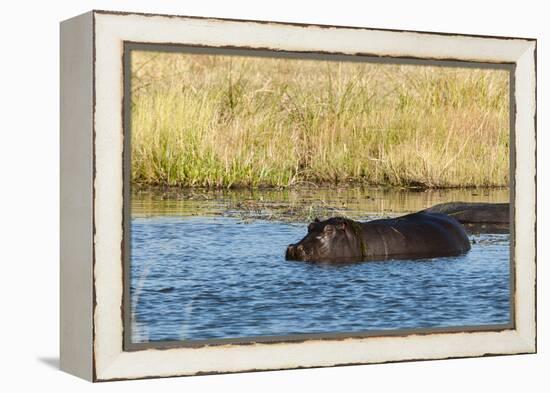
{"points": [[222, 121]]}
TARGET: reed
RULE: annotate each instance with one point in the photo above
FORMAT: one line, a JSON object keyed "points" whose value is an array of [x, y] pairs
{"points": [[223, 121]]}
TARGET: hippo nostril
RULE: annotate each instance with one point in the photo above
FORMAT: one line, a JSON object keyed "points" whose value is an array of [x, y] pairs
{"points": [[300, 248]]}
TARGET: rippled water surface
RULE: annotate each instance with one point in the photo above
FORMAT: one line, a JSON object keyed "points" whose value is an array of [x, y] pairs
{"points": [[216, 269]]}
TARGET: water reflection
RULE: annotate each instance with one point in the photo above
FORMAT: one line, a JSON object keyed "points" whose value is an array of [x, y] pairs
{"points": [[303, 203]]}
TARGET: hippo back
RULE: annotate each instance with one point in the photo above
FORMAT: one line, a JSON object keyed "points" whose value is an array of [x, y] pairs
{"points": [[416, 235], [474, 213]]}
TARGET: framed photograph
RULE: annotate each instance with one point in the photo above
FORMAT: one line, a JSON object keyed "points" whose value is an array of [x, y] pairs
{"points": [[245, 195]]}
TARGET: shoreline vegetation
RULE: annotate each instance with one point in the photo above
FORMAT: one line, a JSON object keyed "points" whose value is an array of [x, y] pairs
{"points": [[300, 204], [204, 121]]}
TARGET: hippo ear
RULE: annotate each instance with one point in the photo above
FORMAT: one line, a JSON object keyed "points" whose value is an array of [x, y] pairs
{"points": [[316, 219]]}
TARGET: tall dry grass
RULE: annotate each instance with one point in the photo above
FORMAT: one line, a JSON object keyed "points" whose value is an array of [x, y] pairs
{"points": [[222, 121]]}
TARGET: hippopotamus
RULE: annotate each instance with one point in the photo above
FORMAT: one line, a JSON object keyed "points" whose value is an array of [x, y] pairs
{"points": [[477, 217], [416, 235]]}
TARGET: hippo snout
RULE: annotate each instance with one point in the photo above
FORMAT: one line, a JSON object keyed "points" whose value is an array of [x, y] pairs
{"points": [[295, 252], [290, 251]]}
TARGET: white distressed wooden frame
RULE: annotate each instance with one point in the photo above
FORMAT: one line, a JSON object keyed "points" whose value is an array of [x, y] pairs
{"points": [[92, 194]]}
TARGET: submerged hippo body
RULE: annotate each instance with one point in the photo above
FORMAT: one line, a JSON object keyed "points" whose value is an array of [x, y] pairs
{"points": [[417, 235], [477, 217]]}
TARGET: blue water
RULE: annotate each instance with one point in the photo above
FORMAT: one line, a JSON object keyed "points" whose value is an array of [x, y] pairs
{"points": [[216, 277]]}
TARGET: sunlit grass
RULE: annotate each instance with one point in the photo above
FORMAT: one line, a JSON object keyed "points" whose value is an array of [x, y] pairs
{"points": [[221, 121]]}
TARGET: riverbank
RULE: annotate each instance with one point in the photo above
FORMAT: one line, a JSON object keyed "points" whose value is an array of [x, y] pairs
{"points": [[301, 204], [221, 121]]}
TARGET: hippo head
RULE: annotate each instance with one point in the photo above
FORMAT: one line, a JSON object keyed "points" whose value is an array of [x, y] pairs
{"points": [[335, 239]]}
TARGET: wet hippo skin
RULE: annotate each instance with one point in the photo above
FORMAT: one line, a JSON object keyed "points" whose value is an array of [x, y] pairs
{"points": [[477, 217], [417, 235]]}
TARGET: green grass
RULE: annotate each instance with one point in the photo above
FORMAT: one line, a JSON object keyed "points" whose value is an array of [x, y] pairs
{"points": [[222, 121]]}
